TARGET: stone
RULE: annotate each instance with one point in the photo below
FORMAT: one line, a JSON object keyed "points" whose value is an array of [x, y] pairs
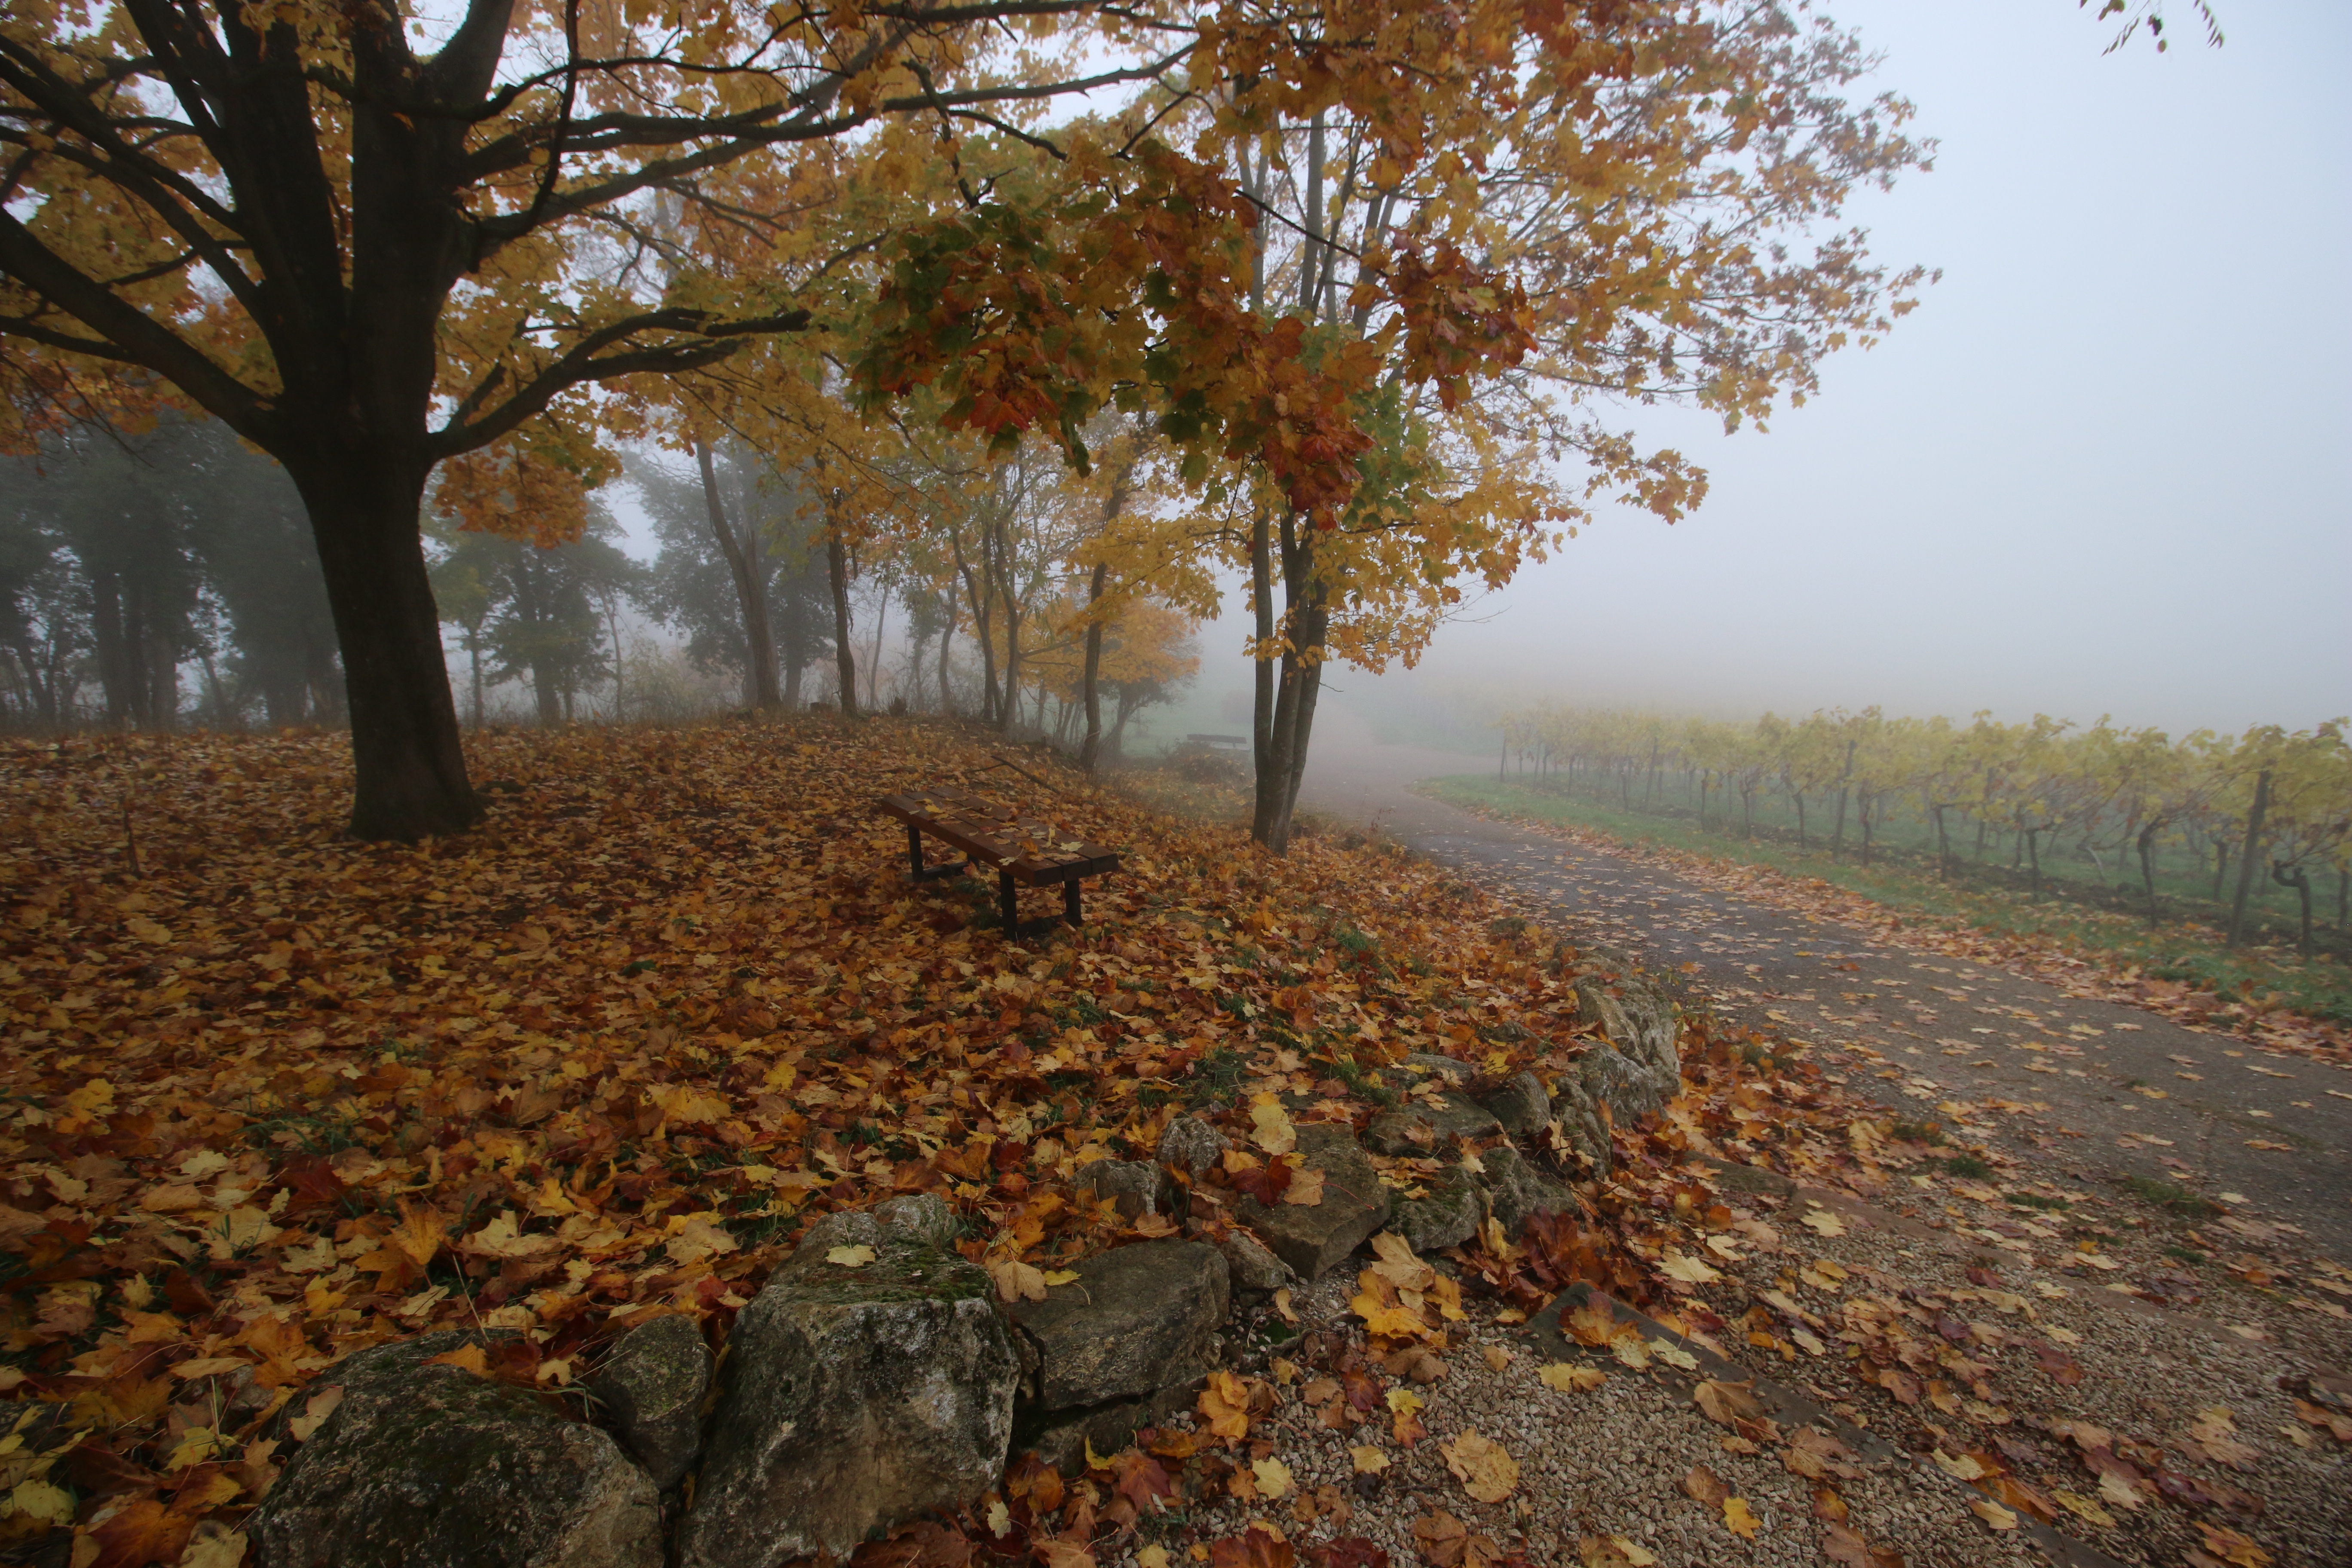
{"points": [[1519, 1102], [652, 1387], [854, 1398], [434, 1466], [1515, 1189], [1314, 1239], [1135, 1319], [1579, 1122], [1421, 1126], [923, 1219], [1642, 1069], [1249, 1265], [1190, 1145], [1456, 1205], [1418, 1066], [1137, 1187], [1061, 1438]]}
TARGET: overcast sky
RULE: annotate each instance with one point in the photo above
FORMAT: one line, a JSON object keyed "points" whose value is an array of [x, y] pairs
{"points": [[2103, 467]]}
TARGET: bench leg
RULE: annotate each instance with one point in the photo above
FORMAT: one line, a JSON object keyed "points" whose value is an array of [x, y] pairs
{"points": [[920, 872], [1071, 909], [1009, 893]]}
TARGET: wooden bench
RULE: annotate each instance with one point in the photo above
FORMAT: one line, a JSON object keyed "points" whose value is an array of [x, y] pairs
{"points": [[1022, 851]]}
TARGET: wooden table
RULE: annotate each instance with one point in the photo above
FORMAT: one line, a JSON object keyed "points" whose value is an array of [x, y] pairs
{"points": [[1023, 852]]}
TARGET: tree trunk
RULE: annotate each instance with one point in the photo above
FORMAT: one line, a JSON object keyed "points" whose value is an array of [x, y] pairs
{"points": [[2248, 856], [751, 593], [1865, 803], [1837, 838], [1090, 752], [874, 664], [979, 586], [474, 658], [2147, 867], [1008, 714], [1799, 796], [836, 564], [2032, 836], [947, 632], [407, 753], [1284, 758], [1262, 673], [2300, 880]]}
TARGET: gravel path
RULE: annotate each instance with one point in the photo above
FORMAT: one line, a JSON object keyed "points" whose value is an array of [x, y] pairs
{"points": [[2104, 1091]]}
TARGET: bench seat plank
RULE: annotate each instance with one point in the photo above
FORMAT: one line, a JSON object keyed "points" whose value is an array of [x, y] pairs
{"points": [[1037, 854]]}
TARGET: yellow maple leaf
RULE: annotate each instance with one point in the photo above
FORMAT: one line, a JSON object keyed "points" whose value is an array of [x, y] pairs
{"points": [[1568, 1377], [1484, 1466], [1739, 1520]]}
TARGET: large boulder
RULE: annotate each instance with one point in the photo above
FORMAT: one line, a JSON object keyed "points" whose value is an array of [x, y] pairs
{"points": [[1580, 1120], [1190, 1145], [1515, 1189], [652, 1386], [1061, 1438], [1424, 1126], [1448, 1214], [1521, 1103], [435, 1467], [1641, 1067], [1135, 1187], [1135, 1319], [1312, 1238], [858, 1395]]}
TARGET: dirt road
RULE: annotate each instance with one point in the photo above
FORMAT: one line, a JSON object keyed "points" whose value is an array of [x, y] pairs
{"points": [[2103, 1090]]}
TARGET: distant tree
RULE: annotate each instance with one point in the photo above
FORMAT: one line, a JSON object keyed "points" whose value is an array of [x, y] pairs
{"points": [[132, 551], [538, 611], [698, 579]]}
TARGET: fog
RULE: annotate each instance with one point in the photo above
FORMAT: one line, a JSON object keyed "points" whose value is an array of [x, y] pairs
{"points": [[2102, 470]]}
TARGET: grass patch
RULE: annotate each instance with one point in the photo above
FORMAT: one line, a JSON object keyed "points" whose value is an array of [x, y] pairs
{"points": [[2171, 1198], [2189, 955], [1968, 1166]]}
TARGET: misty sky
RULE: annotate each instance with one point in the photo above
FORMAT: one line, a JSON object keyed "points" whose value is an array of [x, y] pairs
{"points": [[2102, 470]]}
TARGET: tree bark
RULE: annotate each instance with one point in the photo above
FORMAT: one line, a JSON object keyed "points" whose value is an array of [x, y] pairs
{"points": [[874, 665], [751, 593], [2300, 880], [407, 753], [2249, 855], [836, 564], [2146, 842], [947, 635], [1090, 752], [1285, 713]]}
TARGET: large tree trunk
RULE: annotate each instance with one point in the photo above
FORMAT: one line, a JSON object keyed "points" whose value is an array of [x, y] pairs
{"points": [[1091, 751], [1282, 757], [836, 562], [407, 753], [1263, 673], [751, 593]]}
